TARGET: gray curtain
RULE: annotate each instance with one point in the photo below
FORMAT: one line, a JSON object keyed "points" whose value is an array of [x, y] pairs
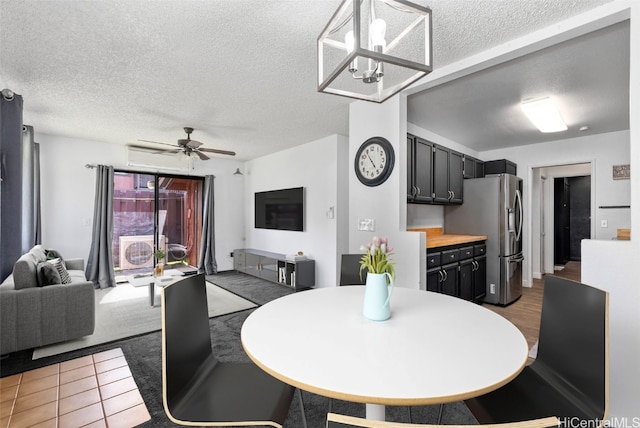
{"points": [[207, 262], [28, 196], [37, 214], [11, 184], [100, 263]]}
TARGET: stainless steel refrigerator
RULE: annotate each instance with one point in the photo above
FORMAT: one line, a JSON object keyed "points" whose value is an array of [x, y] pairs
{"points": [[493, 207]]}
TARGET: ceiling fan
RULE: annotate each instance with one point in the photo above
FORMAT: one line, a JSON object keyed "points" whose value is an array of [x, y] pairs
{"points": [[185, 145]]}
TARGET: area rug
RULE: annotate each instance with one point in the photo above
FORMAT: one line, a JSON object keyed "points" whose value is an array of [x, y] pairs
{"points": [[125, 311], [255, 289]]}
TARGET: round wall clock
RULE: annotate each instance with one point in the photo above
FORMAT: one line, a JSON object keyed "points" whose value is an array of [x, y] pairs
{"points": [[374, 161]]}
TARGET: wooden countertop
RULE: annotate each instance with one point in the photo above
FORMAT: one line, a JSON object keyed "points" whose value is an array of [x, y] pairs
{"points": [[437, 239]]}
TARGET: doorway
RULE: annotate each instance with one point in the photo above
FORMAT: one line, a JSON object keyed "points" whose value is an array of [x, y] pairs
{"points": [[572, 217], [543, 212], [155, 211]]}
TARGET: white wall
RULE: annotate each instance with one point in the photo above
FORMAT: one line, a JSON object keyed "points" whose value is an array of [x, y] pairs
{"points": [[68, 189], [315, 167], [386, 203]]}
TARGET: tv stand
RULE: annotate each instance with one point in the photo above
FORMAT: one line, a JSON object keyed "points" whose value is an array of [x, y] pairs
{"points": [[275, 267]]}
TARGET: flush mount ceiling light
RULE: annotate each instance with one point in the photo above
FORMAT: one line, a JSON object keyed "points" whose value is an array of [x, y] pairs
{"points": [[372, 49], [544, 114]]}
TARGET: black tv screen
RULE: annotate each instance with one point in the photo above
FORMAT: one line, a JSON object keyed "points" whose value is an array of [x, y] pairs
{"points": [[280, 209]]}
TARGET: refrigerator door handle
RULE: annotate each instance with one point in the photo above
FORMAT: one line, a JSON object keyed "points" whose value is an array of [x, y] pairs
{"points": [[516, 259], [519, 204]]}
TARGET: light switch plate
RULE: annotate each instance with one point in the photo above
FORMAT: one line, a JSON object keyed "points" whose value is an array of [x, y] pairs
{"points": [[367, 224]]}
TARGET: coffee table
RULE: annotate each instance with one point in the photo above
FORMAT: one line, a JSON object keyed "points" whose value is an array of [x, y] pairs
{"points": [[434, 349], [141, 280]]}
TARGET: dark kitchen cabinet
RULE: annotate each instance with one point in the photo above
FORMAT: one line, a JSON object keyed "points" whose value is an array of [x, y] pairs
{"points": [[433, 279], [456, 176], [443, 279], [458, 270], [420, 170], [500, 166], [473, 168], [465, 278], [434, 173], [447, 175], [449, 283], [479, 288]]}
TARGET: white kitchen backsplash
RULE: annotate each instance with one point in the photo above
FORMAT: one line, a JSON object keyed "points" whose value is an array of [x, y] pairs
{"points": [[422, 215]]}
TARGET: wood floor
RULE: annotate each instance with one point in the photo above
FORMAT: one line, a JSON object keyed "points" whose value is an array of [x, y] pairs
{"points": [[525, 312]]}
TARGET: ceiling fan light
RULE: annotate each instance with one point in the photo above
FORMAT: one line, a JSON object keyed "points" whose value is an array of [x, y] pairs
{"points": [[544, 114]]}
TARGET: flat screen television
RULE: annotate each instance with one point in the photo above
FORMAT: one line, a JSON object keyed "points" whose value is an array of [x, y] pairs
{"points": [[280, 209]]}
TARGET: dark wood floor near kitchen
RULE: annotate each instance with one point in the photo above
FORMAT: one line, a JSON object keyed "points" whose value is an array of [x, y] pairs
{"points": [[525, 312]]}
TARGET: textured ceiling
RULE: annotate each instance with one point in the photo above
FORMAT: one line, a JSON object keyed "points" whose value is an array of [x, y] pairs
{"points": [[587, 77], [241, 72]]}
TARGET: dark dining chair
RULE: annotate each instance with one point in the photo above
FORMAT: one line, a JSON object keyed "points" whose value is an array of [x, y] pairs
{"points": [[569, 378], [342, 421], [350, 270], [197, 389]]}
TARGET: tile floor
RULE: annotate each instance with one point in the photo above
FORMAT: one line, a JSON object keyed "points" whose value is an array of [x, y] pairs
{"points": [[93, 391]]}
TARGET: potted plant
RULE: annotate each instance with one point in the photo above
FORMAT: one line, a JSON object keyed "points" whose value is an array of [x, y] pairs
{"points": [[159, 269], [377, 257], [380, 275]]}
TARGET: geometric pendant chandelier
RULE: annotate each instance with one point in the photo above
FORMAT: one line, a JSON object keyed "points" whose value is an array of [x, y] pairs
{"points": [[372, 49]]}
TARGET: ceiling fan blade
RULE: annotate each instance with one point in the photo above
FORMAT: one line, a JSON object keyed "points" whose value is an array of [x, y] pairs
{"points": [[201, 155], [218, 151], [152, 149], [157, 142]]}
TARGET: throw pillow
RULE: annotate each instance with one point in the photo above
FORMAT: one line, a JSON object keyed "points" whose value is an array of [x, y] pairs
{"points": [[54, 254], [47, 274], [64, 275]]}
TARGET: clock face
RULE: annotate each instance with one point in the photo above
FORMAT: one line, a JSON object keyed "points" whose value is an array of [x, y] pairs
{"points": [[374, 161]]}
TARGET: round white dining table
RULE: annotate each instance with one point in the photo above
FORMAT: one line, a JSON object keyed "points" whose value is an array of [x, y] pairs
{"points": [[434, 349]]}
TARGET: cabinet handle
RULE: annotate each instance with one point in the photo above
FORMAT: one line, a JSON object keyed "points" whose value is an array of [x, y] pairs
{"points": [[418, 190], [446, 275], [440, 276]]}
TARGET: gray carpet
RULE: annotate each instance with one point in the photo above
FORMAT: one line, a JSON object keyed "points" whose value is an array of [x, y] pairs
{"points": [[144, 356], [125, 311]]}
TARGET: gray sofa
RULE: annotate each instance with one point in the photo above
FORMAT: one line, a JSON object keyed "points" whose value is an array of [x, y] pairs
{"points": [[33, 314]]}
